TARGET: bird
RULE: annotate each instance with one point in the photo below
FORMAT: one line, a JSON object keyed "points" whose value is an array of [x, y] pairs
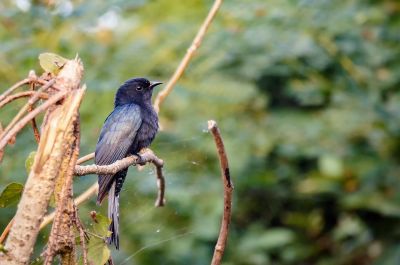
{"points": [[129, 128]]}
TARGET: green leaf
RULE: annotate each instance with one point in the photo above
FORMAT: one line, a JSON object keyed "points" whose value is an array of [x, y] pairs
{"points": [[98, 252], [29, 161], [100, 226], [52, 62], [10, 194]]}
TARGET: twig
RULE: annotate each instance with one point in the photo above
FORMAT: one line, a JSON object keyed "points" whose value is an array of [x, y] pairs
{"points": [[188, 56], [31, 101], [79, 200], [228, 190], [18, 126], [6, 230], [85, 158], [82, 234], [17, 85], [161, 186], [19, 95], [35, 129], [1, 150]]}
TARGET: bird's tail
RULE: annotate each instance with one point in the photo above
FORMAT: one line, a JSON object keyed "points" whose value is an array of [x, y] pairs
{"points": [[113, 214]]}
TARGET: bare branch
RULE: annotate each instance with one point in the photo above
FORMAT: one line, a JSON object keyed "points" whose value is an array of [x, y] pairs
{"points": [[80, 199], [35, 129], [82, 234], [146, 157], [113, 168], [85, 158], [17, 85], [19, 125], [31, 101], [188, 56], [160, 185], [228, 190], [6, 231], [19, 95]]}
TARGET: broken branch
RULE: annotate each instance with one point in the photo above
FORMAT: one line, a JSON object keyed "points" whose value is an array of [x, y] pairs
{"points": [[228, 190]]}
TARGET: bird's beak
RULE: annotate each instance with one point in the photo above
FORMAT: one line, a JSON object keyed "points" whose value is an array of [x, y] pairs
{"points": [[154, 84]]}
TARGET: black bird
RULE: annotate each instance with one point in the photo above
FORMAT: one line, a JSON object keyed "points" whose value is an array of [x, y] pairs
{"points": [[131, 126]]}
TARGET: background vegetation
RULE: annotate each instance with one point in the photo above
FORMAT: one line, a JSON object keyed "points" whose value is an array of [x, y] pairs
{"points": [[306, 94]]}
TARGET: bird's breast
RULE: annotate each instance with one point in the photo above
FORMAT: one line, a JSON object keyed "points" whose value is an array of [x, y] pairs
{"points": [[147, 130]]}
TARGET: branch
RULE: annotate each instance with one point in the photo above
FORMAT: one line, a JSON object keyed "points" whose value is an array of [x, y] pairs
{"points": [[188, 56], [11, 98], [35, 129], [228, 190], [6, 231], [85, 158], [19, 125], [80, 199], [31, 101], [146, 157], [17, 85], [82, 234]]}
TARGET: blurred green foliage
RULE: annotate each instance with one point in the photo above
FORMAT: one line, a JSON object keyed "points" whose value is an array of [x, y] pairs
{"points": [[306, 93]]}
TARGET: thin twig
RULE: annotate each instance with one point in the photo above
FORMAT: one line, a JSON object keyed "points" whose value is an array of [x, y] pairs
{"points": [[44, 82], [85, 158], [35, 129], [82, 234], [19, 95], [6, 230], [17, 85], [188, 56], [228, 190], [79, 200], [31, 101], [1, 150], [18, 126], [161, 187]]}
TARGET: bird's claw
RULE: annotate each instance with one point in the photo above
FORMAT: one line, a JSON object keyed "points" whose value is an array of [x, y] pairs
{"points": [[140, 160]]}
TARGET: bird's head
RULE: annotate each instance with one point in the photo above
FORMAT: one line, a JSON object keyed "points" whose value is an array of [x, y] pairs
{"points": [[135, 90]]}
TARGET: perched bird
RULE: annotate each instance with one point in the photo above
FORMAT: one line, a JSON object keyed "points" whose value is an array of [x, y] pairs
{"points": [[131, 126]]}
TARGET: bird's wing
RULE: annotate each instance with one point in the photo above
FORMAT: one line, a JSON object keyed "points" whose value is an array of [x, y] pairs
{"points": [[116, 136]]}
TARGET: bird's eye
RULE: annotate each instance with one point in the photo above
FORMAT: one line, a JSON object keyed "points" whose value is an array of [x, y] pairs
{"points": [[138, 88]]}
